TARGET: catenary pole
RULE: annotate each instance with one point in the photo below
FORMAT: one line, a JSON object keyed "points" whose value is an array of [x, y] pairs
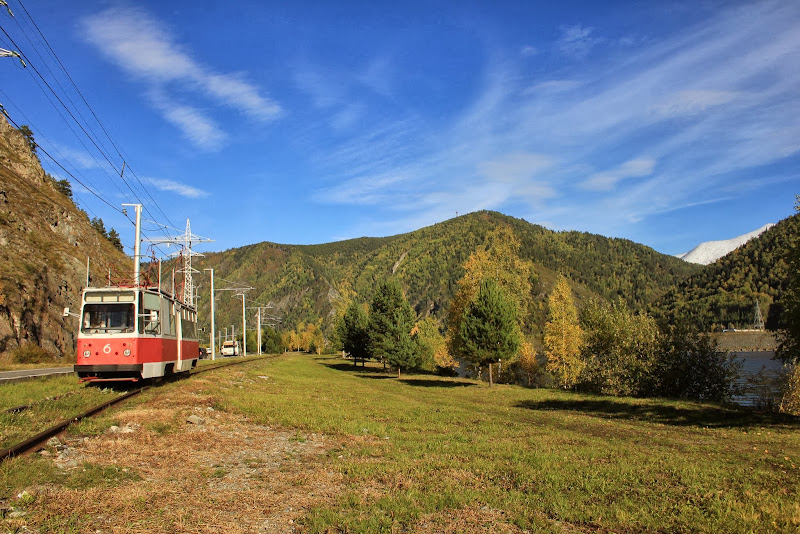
{"points": [[213, 344], [137, 245], [244, 324]]}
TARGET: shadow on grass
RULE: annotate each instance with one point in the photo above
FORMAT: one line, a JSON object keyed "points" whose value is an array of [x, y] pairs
{"points": [[379, 373], [425, 383], [348, 366], [655, 412], [376, 376]]}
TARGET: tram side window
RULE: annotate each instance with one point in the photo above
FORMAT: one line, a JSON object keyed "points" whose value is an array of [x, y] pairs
{"points": [[108, 318], [169, 326], [188, 326], [150, 318]]}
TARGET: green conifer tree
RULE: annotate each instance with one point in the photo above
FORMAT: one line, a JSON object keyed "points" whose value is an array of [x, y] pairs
{"points": [[488, 331], [353, 331], [113, 236], [391, 320]]}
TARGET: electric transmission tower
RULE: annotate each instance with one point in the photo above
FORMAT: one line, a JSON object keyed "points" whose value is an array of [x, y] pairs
{"points": [[758, 319], [185, 241]]}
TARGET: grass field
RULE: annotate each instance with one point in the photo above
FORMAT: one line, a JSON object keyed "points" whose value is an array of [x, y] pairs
{"points": [[431, 450], [432, 454]]}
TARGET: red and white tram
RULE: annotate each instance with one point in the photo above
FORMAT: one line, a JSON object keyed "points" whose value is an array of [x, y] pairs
{"points": [[134, 333], [137, 331]]}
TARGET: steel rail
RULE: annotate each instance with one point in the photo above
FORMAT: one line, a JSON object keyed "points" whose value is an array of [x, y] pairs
{"points": [[198, 370], [36, 440], [43, 436]]}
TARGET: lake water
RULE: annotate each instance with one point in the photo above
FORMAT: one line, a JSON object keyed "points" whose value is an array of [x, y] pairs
{"points": [[762, 379]]}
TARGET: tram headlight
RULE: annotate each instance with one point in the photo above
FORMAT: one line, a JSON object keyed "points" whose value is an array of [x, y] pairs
{"points": [[87, 353], [126, 352]]}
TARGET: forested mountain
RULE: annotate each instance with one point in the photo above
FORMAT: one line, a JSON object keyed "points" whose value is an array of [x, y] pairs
{"points": [[308, 282], [723, 294]]}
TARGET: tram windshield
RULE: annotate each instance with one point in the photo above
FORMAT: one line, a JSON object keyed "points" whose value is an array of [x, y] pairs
{"points": [[108, 318]]}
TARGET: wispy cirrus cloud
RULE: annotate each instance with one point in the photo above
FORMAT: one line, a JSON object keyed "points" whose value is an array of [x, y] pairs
{"points": [[197, 126], [692, 101], [577, 41], [81, 159], [139, 44], [608, 180], [172, 186], [668, 123]]}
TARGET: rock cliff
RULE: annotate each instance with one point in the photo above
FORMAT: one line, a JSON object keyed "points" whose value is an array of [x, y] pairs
{"points": [[44, 244]]}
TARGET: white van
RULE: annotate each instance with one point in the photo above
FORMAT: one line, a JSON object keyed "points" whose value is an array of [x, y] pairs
{"points": [[230, 348]]}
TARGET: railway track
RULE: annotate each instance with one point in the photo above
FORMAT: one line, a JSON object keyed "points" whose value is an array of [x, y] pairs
{"points": [[35, 442]]}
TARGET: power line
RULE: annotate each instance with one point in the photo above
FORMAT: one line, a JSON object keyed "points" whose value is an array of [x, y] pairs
{"points": [[74, 118], [41, 135], [64, 168], [91, 110]]}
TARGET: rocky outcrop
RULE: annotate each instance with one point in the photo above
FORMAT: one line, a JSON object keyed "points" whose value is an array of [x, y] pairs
{"points": [[44, 243]]}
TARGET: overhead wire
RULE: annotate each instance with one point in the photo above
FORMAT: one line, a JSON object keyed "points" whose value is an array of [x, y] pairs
{"points": [[91, 110], [87, 187], [13, 123], [41, 135], [83, 128], [144, 189], [88, 132]]}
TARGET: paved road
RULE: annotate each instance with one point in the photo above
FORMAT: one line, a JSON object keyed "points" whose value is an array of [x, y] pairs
{"points": [[25, 374]]}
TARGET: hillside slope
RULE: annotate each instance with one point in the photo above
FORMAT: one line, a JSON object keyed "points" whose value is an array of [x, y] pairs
{"points": [[308, 282], [44, 243], [723, 294]]}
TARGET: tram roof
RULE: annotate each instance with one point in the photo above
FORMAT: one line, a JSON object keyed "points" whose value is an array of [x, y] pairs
{"points": [[148, 289]]}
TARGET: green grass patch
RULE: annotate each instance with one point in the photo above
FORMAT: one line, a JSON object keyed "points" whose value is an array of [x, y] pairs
{"points": [[94, 476], [51, 400], [18, 393], [428, 446], [20, 472], [159, 427]]}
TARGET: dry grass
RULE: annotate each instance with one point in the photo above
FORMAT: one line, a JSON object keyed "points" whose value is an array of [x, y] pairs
{"points": [[469, 519], [225, 475]]}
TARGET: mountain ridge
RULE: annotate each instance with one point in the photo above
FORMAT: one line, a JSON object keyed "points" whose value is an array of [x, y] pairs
{"points": [[309, 282]]}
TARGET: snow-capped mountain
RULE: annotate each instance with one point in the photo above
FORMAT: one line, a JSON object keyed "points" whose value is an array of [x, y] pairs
{"points": [[711, 251]]}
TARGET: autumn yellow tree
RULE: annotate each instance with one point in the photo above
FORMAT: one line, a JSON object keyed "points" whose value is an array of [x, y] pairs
{"points": [[791, 398], [527, 361], [288, 340], [563, 336], [432, 346], [498, 260]]}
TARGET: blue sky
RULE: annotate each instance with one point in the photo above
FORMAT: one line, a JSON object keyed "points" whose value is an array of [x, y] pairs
{"points": [[668, 123]]}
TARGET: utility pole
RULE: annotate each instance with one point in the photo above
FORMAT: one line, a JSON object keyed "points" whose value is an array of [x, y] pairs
{"points": [[137, 245], [12, 53], [244, 323], [213, 347], [260, 316], [242, 291]]}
